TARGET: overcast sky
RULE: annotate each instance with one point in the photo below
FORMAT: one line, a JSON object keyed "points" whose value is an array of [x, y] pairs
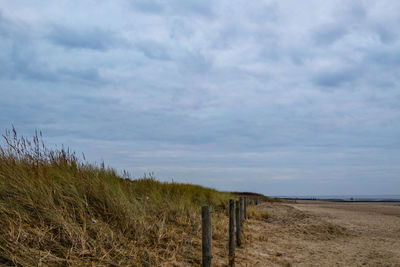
{"points": [[278, 97]]}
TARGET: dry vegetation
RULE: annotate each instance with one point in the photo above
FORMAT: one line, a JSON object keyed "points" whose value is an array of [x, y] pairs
{"points": [[56, 210], [254, 213]]}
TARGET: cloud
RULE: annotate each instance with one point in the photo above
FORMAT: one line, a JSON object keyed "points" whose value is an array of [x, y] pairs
{"points": [[356, 11], [92, 38], [386, 35], [334, 79], [22, 60], [80, 75], [175, 7], [23, 64], [388, 57], [148, 6], [328, 34], [8, 28], [17, 60], [196, 62], [153, 50]]}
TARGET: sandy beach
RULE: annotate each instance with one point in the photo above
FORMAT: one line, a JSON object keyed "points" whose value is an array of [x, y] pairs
{"points": [[320, 233]]}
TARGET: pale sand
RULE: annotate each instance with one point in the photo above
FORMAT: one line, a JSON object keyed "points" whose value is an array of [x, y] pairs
{"points": [[312, 233]]}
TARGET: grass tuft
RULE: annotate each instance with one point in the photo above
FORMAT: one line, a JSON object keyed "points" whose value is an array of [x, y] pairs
{"points": [[257, 214]]}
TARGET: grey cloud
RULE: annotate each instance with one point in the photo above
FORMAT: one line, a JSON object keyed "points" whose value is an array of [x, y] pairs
{"points": [[267, 12], [176, 7], [180, 28], [227, 37], [298, 57], [386, 34], [148, 6], [81, 75], [385, 57], [195, 62], [153, 50], [21, 59], [17, 59], [334, 79], [272, 53], [328, 34], [93, 38], [15, 30], [204, 8], [8, 28], [21, 63], [356, 11]]}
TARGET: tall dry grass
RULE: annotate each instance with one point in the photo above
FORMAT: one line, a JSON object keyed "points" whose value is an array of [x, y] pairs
{"points": [[57, 210]]}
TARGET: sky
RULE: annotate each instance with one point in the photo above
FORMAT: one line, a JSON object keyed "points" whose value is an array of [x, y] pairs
{"points": [[277, 97]]}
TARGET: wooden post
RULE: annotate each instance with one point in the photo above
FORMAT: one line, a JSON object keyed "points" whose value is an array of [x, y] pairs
{"points": [[241, 203], [245, 207], [238, 240], [206, 236], [231, 232]]}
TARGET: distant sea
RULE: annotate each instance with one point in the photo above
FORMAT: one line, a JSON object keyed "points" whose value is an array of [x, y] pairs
{"points": [[395, 198]]}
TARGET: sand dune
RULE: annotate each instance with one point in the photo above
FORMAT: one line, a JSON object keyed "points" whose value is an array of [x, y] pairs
{"points": [[312, 233]]}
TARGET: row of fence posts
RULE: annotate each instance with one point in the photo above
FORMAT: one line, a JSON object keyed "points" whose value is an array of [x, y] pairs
{"points": [[237, 215]]}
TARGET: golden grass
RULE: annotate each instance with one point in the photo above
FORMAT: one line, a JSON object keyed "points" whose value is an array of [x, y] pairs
{"points": [[56, 210], [257, 214]]}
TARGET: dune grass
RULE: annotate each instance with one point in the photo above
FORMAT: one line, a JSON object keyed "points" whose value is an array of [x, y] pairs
{"points": [[257, 214], [58, 210]]}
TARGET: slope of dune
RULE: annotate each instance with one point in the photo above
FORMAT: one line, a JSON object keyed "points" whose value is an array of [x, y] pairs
{"points": [[58, 210]]}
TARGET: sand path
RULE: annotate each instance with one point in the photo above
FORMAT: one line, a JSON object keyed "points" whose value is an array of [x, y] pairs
{"points": [[312, 233]]}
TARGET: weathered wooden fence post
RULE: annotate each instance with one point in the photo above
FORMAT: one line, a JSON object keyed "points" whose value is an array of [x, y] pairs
{"points": [[237, 208], [206, 236], [241, 203], [231, 232], [245, 207]]}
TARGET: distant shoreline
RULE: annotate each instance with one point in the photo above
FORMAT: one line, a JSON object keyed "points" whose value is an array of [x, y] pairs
{"points": [[343, 200]]}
